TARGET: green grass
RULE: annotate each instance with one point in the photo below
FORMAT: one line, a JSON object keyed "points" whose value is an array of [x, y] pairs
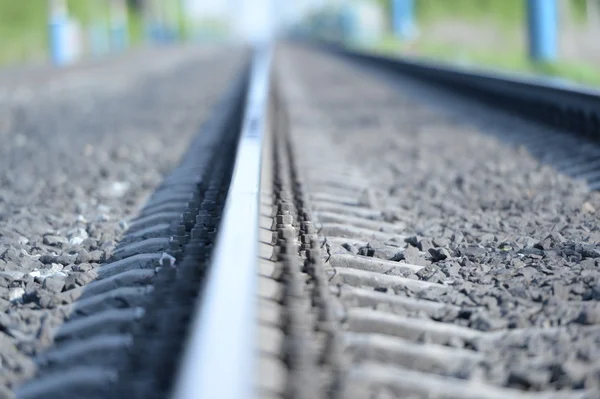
{"points": [[453, 54], [24, 26], [22, 30], [505, 12]]}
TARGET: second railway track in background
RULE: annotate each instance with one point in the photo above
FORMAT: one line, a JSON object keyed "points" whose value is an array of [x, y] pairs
{"points": [[395, 247]]}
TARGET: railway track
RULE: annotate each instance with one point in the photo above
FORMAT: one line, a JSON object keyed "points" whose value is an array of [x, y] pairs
{"points": [[406, 323], [334, 232]]}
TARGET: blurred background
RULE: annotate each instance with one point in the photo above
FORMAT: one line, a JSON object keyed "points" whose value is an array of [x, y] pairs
{"points": [[560, 38]]}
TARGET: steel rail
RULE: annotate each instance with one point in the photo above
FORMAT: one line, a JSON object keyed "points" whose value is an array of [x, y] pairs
{"points": [[569, 107], [219, 358]]}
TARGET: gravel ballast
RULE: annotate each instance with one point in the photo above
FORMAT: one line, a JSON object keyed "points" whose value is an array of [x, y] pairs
{"points": [[496, 254], [82, 150]]}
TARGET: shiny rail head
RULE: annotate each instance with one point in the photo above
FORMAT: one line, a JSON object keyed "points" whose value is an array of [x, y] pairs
{"points": [[219, 357]]}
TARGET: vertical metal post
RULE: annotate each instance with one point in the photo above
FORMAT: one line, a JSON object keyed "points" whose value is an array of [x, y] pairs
{"points": [[58, 22], [99, 39], [163, 22], [542, 21], [98, 32], [150, 21], [348, 23], [119, 33], [403, 18]]}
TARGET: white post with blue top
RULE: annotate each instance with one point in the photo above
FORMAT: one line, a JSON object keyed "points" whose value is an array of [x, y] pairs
{"points": [[118, 25], [348, 23], [58, 31], [99, 39], [542, 21]]}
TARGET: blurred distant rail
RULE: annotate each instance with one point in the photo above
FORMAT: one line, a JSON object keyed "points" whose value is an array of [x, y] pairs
{"points": [[563, 106]]}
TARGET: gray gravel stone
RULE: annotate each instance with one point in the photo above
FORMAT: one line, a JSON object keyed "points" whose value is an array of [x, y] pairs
{"points": [[413, 256], [54, 284], [12, 274], [83, 256], [96, 256], [377, 250], [438, 254], [83, 267], [425, 244], [62, 259], [441, 242], [15, 294], [10, 254], [77, 236], [89, 244], [412, 240], [55, 241]]}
